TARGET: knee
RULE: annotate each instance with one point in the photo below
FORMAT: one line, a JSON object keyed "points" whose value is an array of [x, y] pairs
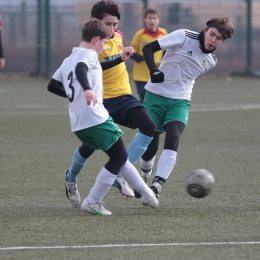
{"points": [[149, 128]]}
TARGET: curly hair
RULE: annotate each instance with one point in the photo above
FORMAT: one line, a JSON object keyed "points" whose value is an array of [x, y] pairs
{"points": [[105, 7]]}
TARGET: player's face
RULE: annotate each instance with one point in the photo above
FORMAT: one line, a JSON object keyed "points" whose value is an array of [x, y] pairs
{"points": [[152, 21], [111, 22], [100, 45], [212, 38]]}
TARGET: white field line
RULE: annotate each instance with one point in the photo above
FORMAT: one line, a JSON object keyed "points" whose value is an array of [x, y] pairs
{"points": [[226, 108], [130, 245], [206, 108], [33, 113]]}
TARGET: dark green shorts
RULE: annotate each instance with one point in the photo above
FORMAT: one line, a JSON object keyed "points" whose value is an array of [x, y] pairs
{"points": [[101, 136], [163, 110]]}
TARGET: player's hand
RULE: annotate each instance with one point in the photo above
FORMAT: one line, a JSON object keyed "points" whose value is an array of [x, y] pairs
{"points": [[157, 76], [127, 52], [90, 96]]}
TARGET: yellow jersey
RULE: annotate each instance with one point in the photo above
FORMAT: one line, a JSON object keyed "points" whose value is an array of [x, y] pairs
{"points": [[115, 80], [141, 38]]}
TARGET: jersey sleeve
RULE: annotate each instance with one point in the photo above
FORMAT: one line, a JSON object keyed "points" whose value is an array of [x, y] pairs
{"points": [[135, 41], [58, 73], [173, 40], [89, 58]]}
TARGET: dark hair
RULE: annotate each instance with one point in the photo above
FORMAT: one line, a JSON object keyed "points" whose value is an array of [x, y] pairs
{"points": [[95, 28], [151, 11], [223, 25], [105, 7]]}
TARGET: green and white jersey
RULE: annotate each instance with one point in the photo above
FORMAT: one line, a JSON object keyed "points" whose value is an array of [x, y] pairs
{"points": [[82, 115], [182, 63]]}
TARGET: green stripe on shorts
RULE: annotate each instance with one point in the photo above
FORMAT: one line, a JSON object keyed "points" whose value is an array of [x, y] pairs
{"points": [[164, 110], [101, 136]]}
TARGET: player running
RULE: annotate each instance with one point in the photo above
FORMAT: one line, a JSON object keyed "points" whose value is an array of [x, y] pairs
{"points": [[122, 106], [80, 79], [168, 92]]}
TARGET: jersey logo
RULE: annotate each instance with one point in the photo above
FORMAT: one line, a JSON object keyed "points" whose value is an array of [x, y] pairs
{"points": [[112, 57], [189, 53], [120, 46], [203, 63]]}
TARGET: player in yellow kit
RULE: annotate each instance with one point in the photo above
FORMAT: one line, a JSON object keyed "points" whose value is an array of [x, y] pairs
{"points": [[115, 80], [122, 106], [149, 33]]}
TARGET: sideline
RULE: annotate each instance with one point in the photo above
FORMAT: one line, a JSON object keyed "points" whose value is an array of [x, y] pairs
{"points": [[130, 245]]}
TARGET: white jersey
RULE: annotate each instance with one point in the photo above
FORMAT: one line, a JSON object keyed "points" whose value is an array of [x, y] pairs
{"points": [[182, 63], [82, 115]]}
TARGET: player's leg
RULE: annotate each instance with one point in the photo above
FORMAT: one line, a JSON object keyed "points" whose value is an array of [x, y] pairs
{"points": [[167, 160], [140, 89], [80, 158], [93, 202], [156, 107], [170, 116], [148, 158], [131, 175], [127, 111], [106, 137], [146, 129], [117, 158], [147, 161]]}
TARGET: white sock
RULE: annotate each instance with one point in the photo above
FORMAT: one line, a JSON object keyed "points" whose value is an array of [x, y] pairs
{"points": [[166, 163], [103, 183], [147, 166], [131, 175]]}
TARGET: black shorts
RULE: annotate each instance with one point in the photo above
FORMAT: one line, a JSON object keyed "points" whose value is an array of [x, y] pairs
{"points": [[118, 106]]}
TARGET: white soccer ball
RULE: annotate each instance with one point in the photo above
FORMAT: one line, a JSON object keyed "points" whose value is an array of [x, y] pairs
{"points": [[199, 183]]}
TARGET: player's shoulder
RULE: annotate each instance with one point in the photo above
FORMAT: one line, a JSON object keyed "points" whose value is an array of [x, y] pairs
{"points": [[162, 30], [119, 34], [191, 34], [214, 56], [140, 31]]}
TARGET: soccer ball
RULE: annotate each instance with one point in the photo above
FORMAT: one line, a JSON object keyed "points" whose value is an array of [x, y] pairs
{"points": [[199, 183]]}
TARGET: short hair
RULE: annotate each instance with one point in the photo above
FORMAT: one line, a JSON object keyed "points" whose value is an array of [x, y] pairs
{"points": [[223, 25], [95, 28], [105, 7], [151, 11]]}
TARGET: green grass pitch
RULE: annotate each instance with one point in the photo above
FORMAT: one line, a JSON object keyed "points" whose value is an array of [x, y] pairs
{"points": [[36, 146]]}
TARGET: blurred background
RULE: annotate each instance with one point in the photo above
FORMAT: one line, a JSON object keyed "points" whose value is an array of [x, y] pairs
{"points": [[38, 34]]}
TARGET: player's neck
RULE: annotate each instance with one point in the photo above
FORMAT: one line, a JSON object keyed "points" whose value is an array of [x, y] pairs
{"points": [[86, 45], [153, 30]]}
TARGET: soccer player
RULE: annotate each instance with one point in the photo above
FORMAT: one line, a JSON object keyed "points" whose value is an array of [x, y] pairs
{"points": [[188, 55], [150, 33], [2, 59], [122, 106], [80, 75]]}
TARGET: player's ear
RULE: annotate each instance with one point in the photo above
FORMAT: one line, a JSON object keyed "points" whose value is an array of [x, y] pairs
{"points": [[96, 40]]}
